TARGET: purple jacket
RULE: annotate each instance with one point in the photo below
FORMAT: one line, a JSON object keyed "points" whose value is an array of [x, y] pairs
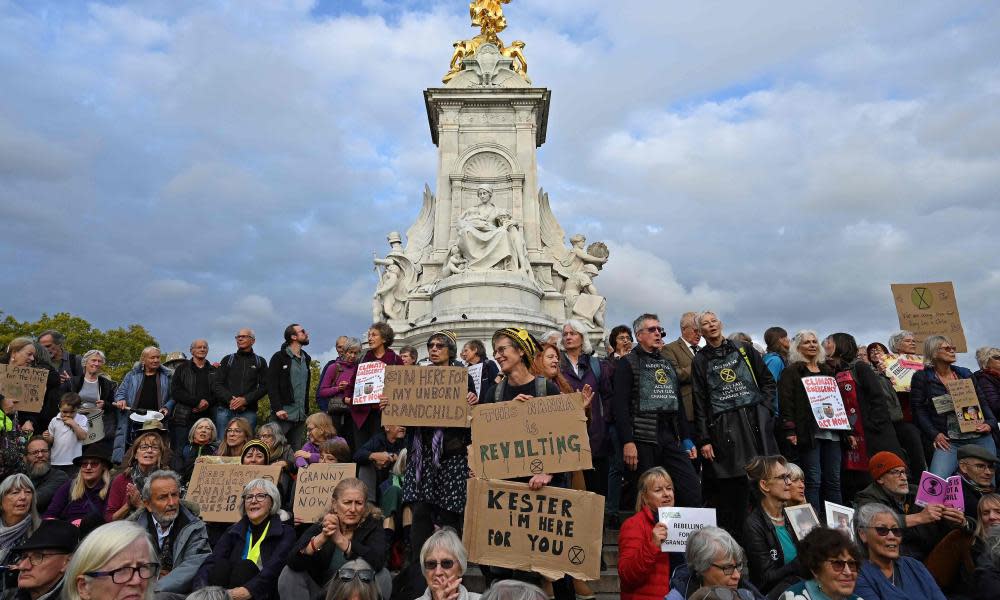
{"points": [[989, 389], [335, 372], [63, 509], [314, 454], [600, 406]]}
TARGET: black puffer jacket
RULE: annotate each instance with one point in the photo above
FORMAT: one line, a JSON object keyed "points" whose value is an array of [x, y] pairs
{"points": [[765, 558]]}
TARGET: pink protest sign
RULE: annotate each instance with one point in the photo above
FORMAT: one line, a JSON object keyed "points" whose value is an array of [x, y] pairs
{"points": [[936, 490]]}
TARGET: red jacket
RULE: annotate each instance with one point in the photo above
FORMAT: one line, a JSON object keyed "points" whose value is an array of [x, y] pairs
{"points": [[643, 569]]}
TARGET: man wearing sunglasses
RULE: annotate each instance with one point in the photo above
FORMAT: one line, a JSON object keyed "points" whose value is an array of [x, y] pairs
{"points": [[288, 378], [649, 413], [43, 560]]}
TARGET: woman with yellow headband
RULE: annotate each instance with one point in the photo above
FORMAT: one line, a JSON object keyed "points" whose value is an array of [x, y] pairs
{"points": [[437, 466]]}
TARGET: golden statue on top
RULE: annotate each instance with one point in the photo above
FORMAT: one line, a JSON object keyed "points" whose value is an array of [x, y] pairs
{"points": [[488, 16]]}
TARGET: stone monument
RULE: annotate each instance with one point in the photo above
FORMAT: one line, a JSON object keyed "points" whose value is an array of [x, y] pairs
{"points": [[486, 251]]}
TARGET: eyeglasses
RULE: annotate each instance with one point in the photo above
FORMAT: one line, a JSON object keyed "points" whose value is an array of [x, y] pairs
{"points": [[36, 558], [90, 464], [883, 531], [267, 436], [255, 497], [947, 348], [658, 330], [502, 349], [347, 574], [430, 565], [838, 565], [39, 452], [897, 472], [436, 346], [787, 477], [148, 447], [125, 574], [234, 430], [982, 466], [727, 570], [244, 337]]}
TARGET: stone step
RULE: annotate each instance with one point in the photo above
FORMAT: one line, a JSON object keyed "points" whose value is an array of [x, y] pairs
{"points": [[610, 554]]}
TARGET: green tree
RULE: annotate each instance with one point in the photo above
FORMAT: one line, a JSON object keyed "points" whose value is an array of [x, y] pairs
{"points": [[121, 346]]}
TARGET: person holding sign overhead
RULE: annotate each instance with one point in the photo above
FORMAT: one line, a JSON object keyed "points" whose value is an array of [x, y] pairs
{"points": [[644, 570], [934, 411], [819, 447], [22, 352], [249, 556], [437, 463]]}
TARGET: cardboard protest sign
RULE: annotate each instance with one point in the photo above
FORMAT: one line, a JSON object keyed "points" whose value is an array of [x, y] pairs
{"points": [[517, 439], [369, 382], [24, 386], [937, 490], [966, 402], [552, 531], [839, 517], [476, 373], [314, 488], [929, 309], [217, 489], [682, 523], [826, 402], [900, 369], [95, 424], [426, 396]]}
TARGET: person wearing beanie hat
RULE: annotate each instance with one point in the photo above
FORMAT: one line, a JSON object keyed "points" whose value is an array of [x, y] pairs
{"points": [[925, 526], [255, 452], [437, 467]]}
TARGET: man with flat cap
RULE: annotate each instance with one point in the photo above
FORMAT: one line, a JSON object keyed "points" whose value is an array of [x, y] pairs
{"points": [[43, 560], [978, 468]]}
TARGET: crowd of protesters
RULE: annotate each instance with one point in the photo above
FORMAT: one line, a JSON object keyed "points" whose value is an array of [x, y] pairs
{"points": [[93, 485]]}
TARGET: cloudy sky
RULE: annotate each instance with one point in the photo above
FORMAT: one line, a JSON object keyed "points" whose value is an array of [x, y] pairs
{"points": [[198, 166]]}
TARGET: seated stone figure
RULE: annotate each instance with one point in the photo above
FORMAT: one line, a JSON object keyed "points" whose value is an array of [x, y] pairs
{"points": [[489, 239]]}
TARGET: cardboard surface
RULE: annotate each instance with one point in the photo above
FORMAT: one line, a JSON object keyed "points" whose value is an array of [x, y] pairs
{"points": [[826, 402], [929, 309], [314, 488], [25, 386], [517, 439], [967, 409], [552, 531], [426, 396], [218, 488]]}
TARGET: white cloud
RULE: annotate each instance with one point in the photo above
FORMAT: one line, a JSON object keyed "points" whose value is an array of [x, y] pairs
{"points": [[170, 289]]}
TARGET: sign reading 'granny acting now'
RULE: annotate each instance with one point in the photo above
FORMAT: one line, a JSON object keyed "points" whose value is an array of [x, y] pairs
{"points": [[314, 488], [540, 435]]}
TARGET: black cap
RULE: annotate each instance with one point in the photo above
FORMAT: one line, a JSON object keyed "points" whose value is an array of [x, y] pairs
{"points": [[973, 451], [97, 451], [52, 535]]}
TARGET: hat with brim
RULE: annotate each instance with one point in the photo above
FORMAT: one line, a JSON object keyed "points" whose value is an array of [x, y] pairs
{"points": [[972, 451], [52, 535], [154, 426], [97, 451]]}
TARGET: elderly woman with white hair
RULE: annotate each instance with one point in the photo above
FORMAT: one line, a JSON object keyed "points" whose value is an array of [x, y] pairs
{"points": [[18, 512], [444, 560], [987, 378], [588, 374], [145, 388], [97, 390], [116, 560], [886, 574], [942, 428], [818, 450], [714, 559], [249, 556]]}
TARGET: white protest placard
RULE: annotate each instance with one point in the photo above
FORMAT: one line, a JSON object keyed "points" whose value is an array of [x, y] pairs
{"points": [[369, 383], [682, 522], [476, 372], [826, 403]]}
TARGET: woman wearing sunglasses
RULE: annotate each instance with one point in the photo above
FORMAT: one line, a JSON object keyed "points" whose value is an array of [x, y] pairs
{"points": [[714, 560], [249, 556], [115, 561], [831, 559], [887, 575], [355, 580], [771, 546], [444, 560], [351, 529], [942, 428]]}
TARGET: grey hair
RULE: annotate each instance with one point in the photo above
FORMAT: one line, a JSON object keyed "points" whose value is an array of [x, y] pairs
{"points": [[446, 539], [279, 435], [89, 354], [212, 592], [147, 487], [687, 320], [551, 337], [101, 546], [147, 351], [866, 513], [932, 344], [269, 488], [249, 331], [637, 323], [215, 431], [795, 356], [351, 343], [796, 472], [984, 354], [740, 336], [191, 347], [578, 327], [20, 481], [897, 337], [707, 543], [512, 589], [701, 317], [57, 338]]}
